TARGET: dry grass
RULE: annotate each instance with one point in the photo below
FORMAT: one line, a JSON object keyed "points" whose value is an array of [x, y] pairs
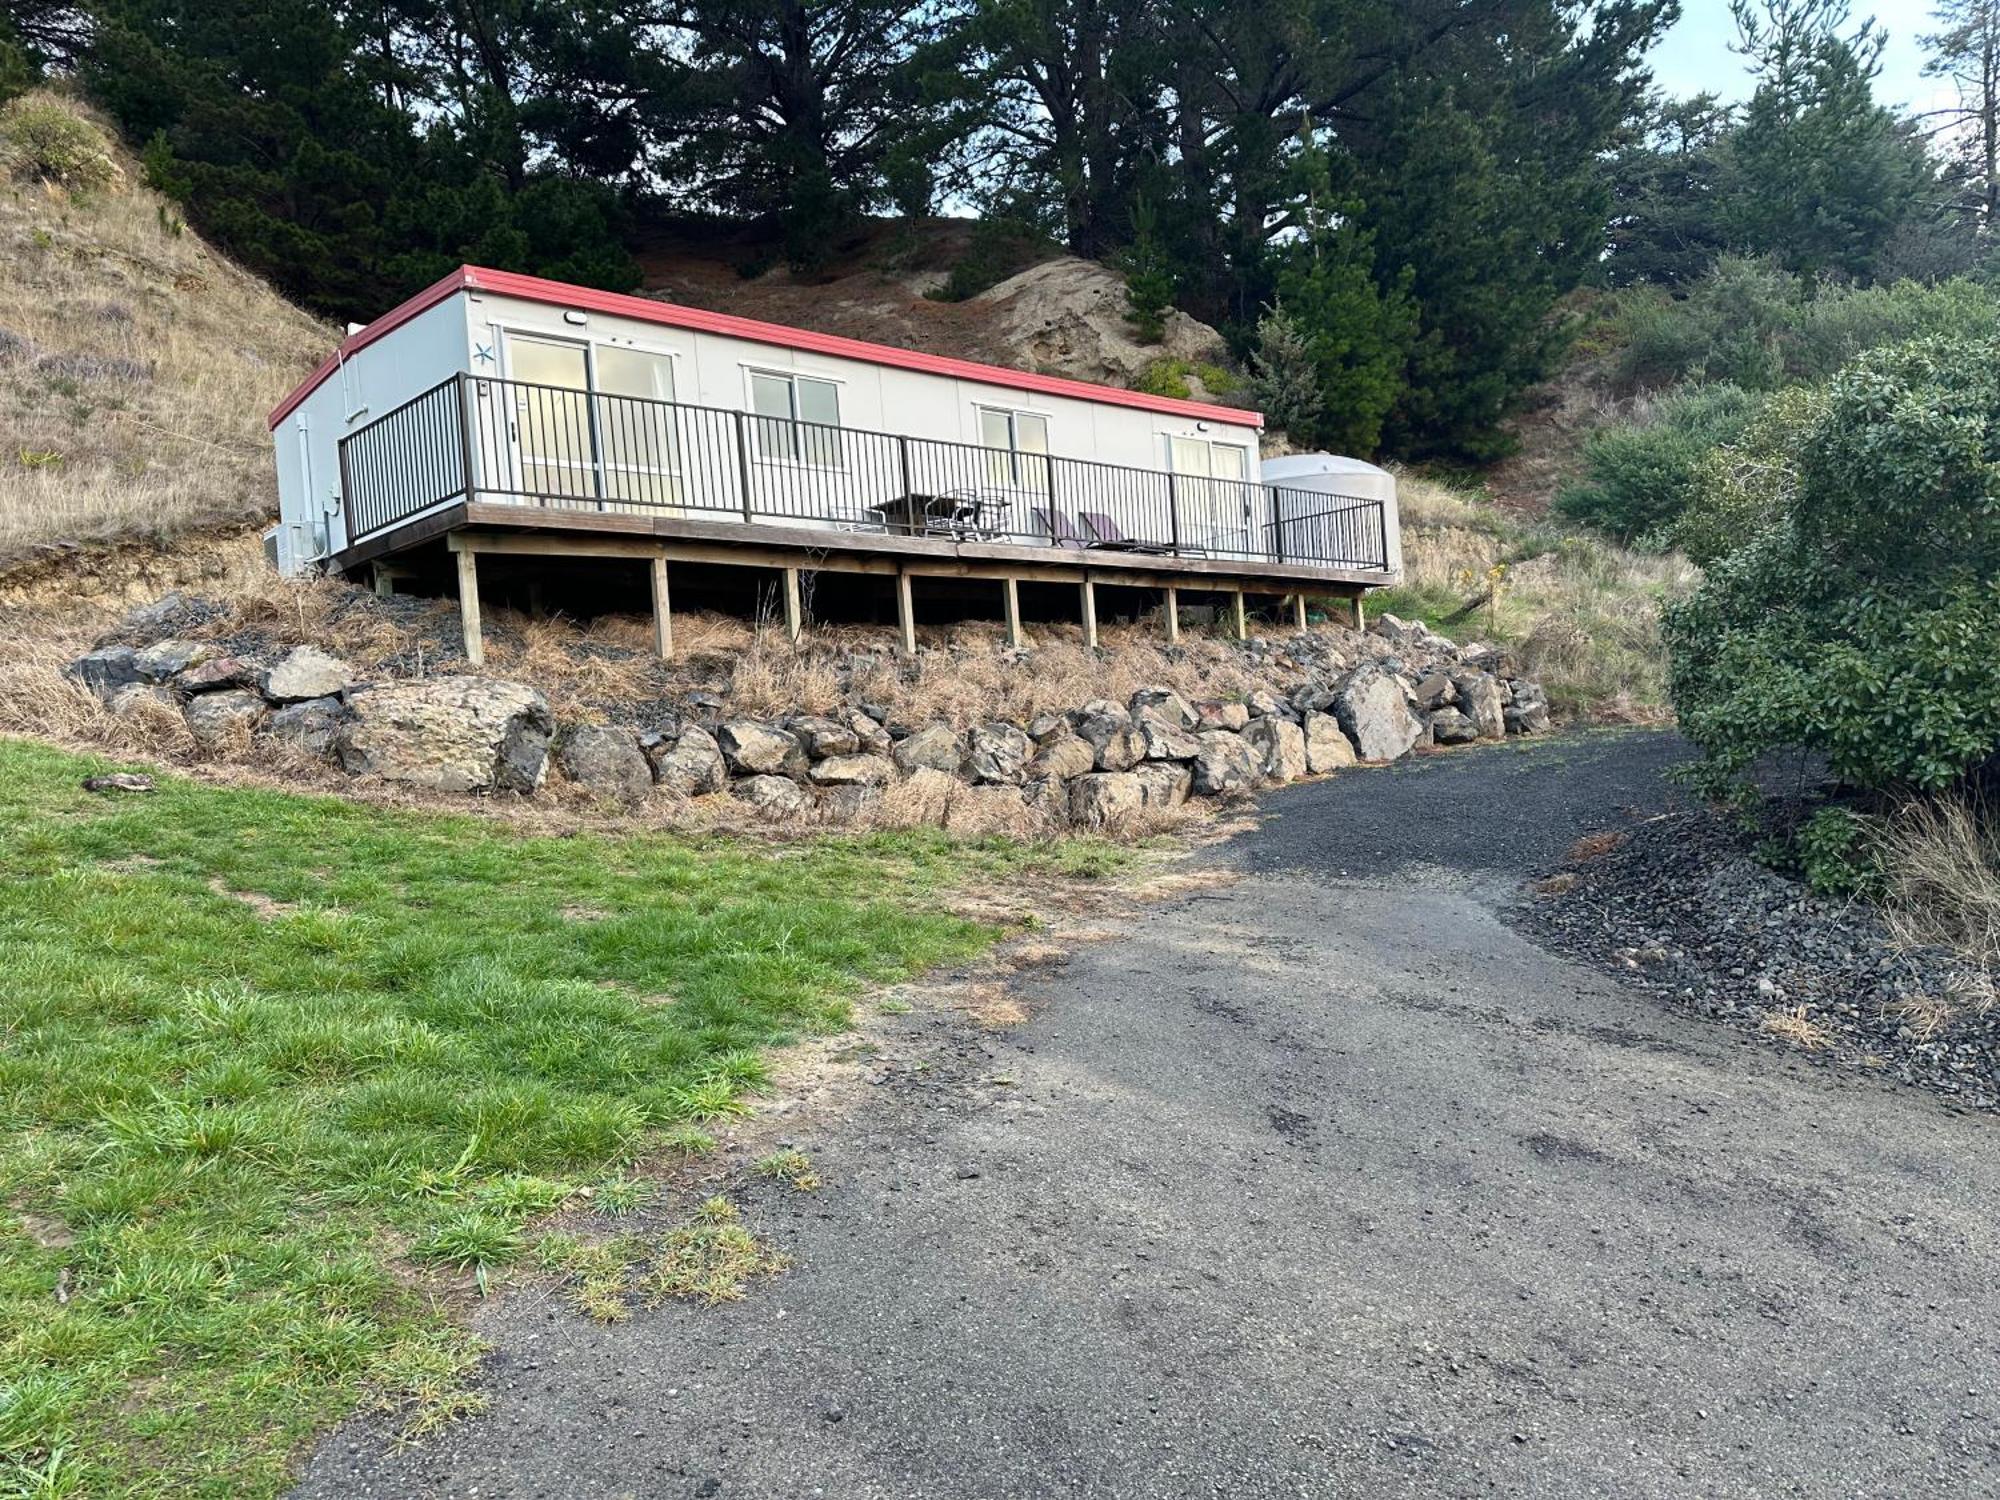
{"points": [[1940, 864], [136, 367], [1595, 846], [1796, 1025], [1580, 614], [710, 1260]]}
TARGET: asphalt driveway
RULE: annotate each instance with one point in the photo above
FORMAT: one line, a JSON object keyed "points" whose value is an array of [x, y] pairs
{"points": [[1317, 1182]]}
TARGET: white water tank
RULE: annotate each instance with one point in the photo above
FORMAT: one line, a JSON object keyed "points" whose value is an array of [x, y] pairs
{"points": [[1337, 478]]}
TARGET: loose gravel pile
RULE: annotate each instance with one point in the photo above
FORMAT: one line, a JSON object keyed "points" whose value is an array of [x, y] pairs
{"points": [[1681, 908]]}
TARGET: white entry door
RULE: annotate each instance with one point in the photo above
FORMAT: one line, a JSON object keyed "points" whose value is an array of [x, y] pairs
{"points": [[1212, 494], [638, 429], [549, 418]]}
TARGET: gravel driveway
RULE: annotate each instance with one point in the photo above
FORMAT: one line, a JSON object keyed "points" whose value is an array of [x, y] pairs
{"points": [[1318, 1182]]}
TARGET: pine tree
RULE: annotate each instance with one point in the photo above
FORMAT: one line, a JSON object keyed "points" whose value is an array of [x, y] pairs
{"points": [[1967, 53], [1284, 377], [1149, 277]]}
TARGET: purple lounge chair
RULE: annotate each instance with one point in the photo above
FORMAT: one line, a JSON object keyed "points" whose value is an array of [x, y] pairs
{"points": [[1106, 533], [1057, 526]]}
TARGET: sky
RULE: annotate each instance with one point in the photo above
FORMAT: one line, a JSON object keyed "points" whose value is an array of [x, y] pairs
{"points": [[1695, 57]]}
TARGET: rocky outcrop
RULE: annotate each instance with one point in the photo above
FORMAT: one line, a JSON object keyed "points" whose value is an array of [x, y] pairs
{"points": [[448, 734]]}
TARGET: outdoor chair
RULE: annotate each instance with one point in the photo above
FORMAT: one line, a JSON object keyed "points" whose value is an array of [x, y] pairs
{"points": [[1105, 533], [1056, 526]]}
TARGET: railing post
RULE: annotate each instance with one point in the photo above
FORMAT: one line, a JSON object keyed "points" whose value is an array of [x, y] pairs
{"points": [[467, 416], [903, 463], [1173, 515], [743, 462], [1049, 463], [1277, 521]]}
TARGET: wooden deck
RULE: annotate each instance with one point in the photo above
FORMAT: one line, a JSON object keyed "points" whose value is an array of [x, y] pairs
{"points": [[470, 529]]}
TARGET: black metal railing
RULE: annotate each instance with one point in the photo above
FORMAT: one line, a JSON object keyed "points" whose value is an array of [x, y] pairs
{"points": [[510, 441]]}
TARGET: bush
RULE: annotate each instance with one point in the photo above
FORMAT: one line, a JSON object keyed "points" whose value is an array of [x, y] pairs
{"points": [[1169, 377], [1859, 625], [1754, 324], [1639, 477], [1836, 852], [44, 139], [1741, 488]]}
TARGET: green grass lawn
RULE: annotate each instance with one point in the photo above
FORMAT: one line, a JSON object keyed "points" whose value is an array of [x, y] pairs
{"points": [[277, 1071]]}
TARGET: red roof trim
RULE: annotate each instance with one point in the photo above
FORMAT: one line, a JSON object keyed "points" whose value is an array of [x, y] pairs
{"points": [[673, 315]]}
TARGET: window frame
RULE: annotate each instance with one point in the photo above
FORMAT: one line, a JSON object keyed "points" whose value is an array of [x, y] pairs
{"points": [[1014, 453], [798, 457]]}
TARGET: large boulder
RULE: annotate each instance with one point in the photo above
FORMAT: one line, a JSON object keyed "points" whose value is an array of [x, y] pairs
{"points": [[1166, 741], [1374, 712], [824, 736], [933, 747], [1225, 765], [1099, 719], [1103, 799], [306, 672], [1436, 690], [219, 672], [754, 749], [693, 766], [1162, 703], [1214, 716], [217, 720], [1528, 713], [1450, 727], [997, 755], [1062, 756], [311, 725], [1163, 784], [869, 734], [606, 761], [105, 670], [1327, 749], [169, 658], [1121, 749], [1481, 701], [853, 770], [448, 734], [778, 796], [1280, 748], [1262, 703]]}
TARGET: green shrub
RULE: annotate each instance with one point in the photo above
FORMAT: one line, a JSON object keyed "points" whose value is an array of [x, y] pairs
{"points": [[1745, 486], [1169, 377], [1639, 477], [998, 248], [43, 139], [1836, 852], [1860, 623]]}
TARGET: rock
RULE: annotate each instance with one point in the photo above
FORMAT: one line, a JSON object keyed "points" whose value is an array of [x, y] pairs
{"points": [[1068, 316], [171, 612], [849, 803], [310, 725], [1063, 756], [1528, 713], [997, 754], [754, 749], [694, 767], [1101, 799], [869, 734], [1225, 764], [1481, 701], [1098, 720], [1163, 703], [165, 659], [1045, 726], [1262, 703], [879, 712], [308, 672], [705, 702], [1213, 716], [140, 697], [219, 672], [1167, 741], [606, 761], [217, 719], [1280, 747], [1313, 698], [1450, 727], [1396, 630], [1374, 712], [1163, 784], [1327, 749], [1436, 691], [1483, 657], [448, 734], [823, 736], [780, 796], [1121, 749], [935, 747], [105, 670], [853, 770]]}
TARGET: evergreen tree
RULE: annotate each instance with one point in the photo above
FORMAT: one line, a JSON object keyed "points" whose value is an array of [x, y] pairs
{"points": [[1149, 277], [1966, 52], [1667, 215]]}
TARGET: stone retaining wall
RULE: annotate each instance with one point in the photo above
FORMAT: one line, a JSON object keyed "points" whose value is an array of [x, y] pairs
{"points": [[1335, 700]]}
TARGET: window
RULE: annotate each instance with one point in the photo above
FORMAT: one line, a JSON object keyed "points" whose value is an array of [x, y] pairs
{"points": [[1020, 440], [641, 442], [796, 417], [1213, 500], [1207, 460]]}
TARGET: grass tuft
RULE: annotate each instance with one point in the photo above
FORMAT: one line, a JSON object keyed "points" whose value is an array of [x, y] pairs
{"points": [[711, 1259]]}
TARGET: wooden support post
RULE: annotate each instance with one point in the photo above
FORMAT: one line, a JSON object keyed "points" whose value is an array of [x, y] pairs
{"points": [[468, 606], [906, 615], [1013, 596], [1299, 611], [795, 614], [1089, 613], [1360, 615], [1172, 611], [1236, 611], [385, 581], [663, 613]]}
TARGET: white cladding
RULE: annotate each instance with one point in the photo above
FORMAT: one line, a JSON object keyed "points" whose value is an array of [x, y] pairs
{"points": [[469, 330]]}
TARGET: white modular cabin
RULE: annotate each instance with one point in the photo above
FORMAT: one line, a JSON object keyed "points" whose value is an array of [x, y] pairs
{"points": [[669, 379]]}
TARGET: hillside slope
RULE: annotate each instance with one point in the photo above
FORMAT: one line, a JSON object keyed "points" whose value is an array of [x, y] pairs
{"points": [[136, 366]]}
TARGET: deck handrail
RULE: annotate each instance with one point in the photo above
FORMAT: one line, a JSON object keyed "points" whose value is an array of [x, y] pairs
{"points": [[523, 442]]}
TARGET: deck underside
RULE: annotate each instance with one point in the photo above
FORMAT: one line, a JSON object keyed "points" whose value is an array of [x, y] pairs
{"points": [[559, 532]]}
